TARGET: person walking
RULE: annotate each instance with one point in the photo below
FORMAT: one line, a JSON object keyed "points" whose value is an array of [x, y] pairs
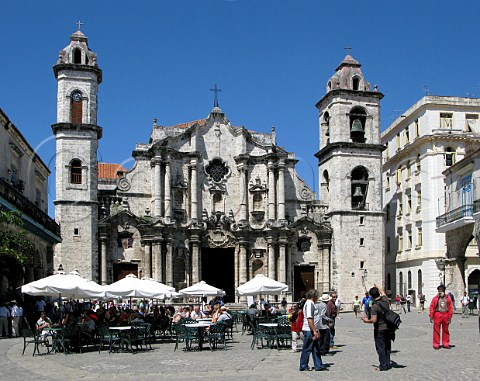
{"points": [[4, 317], [381, 334], [356, 306], [409, 302], [296, 321], [441, 312], [464, 301], [421, 299], [403, 301], [453, 300], [366, 304], [332, 314], [311, 342], [16, 313], [323, 324]]}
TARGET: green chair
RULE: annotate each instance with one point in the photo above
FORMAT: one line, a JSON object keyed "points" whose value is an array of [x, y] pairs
{"points": [[32, 337], [215, 335]]}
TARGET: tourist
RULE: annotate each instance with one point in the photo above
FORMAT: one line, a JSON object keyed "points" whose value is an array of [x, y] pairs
{"points": [[16, 314], [332, 314], [356, 306], [366, 304], [224, 315], [464, 301], [43, 323], [323, 324], [311, 343], [4, 316], [382, 335], [296, 321], [403, 301], [197, 313], [453, 300], [421, 299], [216, 312], [409, 301], [441, 312]]}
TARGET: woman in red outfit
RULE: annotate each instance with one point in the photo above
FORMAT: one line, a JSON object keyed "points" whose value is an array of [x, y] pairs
{"points": [[441, 312]]}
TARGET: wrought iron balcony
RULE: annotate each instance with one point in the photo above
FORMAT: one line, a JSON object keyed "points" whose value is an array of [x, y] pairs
{"points": [[24, 205], [455, 218]]}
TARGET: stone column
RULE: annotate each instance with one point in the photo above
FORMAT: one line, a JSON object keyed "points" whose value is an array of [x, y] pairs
{"points": [[243, 262], [103, 260], [243, 192], [282, 260], [193, 190], [148, 259], [157, 261], [168, 203], [169, 263], [281, 190], [196, 265], [271, 258], [271, 190], [157, 188]]}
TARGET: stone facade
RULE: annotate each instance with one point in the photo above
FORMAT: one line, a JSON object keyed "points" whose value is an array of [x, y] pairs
{"points": [[23, 189], [424, 141], [208, 200]]}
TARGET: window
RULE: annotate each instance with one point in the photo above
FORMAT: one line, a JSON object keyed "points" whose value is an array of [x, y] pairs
{"points": [[446, 120], [399, 205], [400, 281], [76, 172], [358, 186], [257, 202], [398, 141], [419, 164], [419, 236], [409, 279], [77, 56], [419, 200], [449, 156], [362, 241], [388, 245], [356, 83], [358, 119], [420, 282], [75, 231], [386, 151], [409, 239], [217, 170], [389, 282], [362, 220], [38, 198], [409, 171], [400, 240], [387, 182], [409, 204], [417, 128], [76, 107], [471, 122], [388, 212], [398, 176], [407, 135]]}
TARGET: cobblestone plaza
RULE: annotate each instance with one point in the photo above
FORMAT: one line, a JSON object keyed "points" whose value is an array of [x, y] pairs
{"points": [[355, 358]]}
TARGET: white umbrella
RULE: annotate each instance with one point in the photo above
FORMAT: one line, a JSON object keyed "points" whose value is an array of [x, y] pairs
{"points": [[262, 285], [131, 286], [202, 289], [70, 285]]}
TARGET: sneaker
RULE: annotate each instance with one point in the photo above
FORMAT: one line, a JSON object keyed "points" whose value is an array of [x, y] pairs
{"points": [[305, 369]]}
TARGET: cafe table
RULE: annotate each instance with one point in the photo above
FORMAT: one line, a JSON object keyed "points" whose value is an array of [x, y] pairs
{"points": [[200, 327]]}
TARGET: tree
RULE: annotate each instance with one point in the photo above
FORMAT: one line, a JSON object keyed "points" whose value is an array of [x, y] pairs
{"points": [[15, 248]]}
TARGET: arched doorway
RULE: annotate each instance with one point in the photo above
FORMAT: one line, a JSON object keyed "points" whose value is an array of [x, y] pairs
{"points": [[473, 283]]}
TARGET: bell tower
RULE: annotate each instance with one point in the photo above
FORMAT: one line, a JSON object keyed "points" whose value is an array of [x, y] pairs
{"points": [[350, 176], [76, 135]]}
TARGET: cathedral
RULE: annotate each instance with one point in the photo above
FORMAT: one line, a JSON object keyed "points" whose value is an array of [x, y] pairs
{"points": [[209, 200]]}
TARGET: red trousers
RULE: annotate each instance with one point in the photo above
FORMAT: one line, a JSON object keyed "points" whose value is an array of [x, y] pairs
{"points": [[440, 321]]}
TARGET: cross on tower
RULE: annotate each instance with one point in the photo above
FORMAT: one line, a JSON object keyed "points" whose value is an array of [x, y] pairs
{"points": [[215, 90], [79, 23], [347, 49]]}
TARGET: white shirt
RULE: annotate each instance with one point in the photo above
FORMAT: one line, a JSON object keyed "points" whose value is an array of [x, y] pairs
{"points": [[465, 300], [309, 311]]}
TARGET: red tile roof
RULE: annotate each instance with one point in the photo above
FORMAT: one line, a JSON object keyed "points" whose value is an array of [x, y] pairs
{"points": [[110, 170], [200, 122]]}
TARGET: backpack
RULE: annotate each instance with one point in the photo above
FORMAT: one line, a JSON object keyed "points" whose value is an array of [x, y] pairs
{"points": [[391, 318]]}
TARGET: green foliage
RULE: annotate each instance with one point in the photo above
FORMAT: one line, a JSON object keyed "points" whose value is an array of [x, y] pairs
{"points": [[15, 248]]}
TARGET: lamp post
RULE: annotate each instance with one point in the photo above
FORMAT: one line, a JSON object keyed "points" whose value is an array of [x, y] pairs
{"points": [[364, 277]]}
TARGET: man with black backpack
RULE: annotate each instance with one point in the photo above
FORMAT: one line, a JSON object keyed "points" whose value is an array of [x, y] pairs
{"points": [[382, 334]]}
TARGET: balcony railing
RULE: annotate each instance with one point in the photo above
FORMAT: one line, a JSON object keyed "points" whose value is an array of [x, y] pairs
{"points": [[455, 215], [23, 204]]}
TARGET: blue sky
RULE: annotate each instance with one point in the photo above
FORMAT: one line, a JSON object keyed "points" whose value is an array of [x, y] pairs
{"points": [[271, 59]]}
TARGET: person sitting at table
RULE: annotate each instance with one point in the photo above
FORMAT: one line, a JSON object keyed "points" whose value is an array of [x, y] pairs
{"points": [[252, 312], [197, 313], [224, 315], [216, 312], [111, 316], [178, 315], [187, 313], [267, 311], [124, 317], [135, 317], [43, 324], [68, 320], [88, 325]]}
